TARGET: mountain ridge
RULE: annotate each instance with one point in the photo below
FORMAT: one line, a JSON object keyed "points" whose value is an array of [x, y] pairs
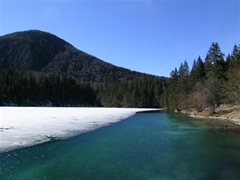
{"points": [[35, 50]]}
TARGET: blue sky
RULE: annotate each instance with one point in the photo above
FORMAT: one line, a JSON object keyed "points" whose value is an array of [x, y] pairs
{"points": [[152, 36]]}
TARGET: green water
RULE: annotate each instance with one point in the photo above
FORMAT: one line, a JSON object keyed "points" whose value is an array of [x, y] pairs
{"points": [[145, 146]]}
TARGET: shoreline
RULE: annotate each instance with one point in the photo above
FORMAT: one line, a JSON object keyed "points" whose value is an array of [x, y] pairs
{"points": [[27, 126], [226, 115]]}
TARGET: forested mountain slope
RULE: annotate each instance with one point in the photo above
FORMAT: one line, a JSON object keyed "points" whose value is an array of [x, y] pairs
{"points": [[40, 51], [38, 68]]}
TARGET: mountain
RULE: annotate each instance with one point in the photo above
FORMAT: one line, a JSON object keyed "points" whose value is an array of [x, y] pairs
{"points": [[38, 69], [40, 51]]}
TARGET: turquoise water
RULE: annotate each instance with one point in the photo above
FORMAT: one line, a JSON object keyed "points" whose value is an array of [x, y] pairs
{"points": [[145, 146]]}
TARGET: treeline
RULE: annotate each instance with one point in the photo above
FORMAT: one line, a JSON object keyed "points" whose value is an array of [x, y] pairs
{"points": [[141, 92], [57, 89], [46, 89], [209, 83]]}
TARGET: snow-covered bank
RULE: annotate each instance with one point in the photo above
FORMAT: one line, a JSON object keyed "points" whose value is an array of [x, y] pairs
{"points": [[26, 126]]}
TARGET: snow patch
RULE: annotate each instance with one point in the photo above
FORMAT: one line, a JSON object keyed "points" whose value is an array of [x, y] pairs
{"points": [[26, 126]]}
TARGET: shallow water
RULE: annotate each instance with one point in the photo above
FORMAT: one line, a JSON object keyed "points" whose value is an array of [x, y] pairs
{"points": [[145, 146]]}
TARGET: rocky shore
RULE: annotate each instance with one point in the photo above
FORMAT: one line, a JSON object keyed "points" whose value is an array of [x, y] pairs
{"points": [[225, 117]]}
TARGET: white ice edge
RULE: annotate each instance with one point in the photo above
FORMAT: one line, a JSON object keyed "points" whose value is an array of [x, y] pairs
{"points": [[27, 126]]}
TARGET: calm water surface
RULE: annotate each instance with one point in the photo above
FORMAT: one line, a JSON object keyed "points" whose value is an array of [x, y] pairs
{"points": [[145, 146]]}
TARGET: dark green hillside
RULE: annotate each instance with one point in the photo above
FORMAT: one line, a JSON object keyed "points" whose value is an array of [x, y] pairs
{"points": [[44, 52], [38, 68]]}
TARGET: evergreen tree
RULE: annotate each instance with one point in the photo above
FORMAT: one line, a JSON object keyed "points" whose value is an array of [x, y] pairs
{"points": [[213, 82], [183, 86], [215, 61], [215, 67], [198, 71], [236, 53], [232, 85], [172, 90]]}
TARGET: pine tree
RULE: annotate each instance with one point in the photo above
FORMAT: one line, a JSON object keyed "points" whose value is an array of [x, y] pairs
{"points": [[215, 67], [232, 85], [172, 90], [236, 53], [215, 61], [183, 86], [198, 71]]}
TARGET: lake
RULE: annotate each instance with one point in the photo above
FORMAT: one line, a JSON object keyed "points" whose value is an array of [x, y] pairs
{"points": [[156, 145]]}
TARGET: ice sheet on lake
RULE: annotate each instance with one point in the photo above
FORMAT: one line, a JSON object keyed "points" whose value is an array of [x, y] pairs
{"points": [[26, 126]]}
